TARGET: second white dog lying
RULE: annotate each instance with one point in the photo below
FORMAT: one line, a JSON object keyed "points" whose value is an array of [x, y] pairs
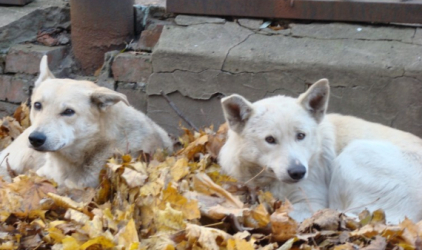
{"points": [[292, 148]]}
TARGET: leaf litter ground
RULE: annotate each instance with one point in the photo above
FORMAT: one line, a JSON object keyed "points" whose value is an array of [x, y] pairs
{"points": [[178, 201]]}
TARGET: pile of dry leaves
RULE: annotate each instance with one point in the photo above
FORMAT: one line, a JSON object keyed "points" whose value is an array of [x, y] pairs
{"points": [[179, 201]]}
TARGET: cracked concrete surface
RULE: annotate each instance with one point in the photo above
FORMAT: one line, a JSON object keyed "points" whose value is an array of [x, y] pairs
{"points": [[375, 71], [21, 24]]}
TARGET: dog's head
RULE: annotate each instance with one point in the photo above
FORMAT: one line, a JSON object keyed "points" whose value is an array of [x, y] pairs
{"points": [[65, 112], [279, 134]]}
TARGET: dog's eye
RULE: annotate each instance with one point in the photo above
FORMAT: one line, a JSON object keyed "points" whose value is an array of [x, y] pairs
{"points": [[300, 136], [37, 106], [270, 139], [68, 112]]}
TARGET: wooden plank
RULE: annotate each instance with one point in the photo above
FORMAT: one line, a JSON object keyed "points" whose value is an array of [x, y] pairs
{"points": [[381, 11]]}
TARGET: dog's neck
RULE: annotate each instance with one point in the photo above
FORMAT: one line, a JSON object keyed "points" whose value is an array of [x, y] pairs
{"points": [[83, 152], [79, 165]]}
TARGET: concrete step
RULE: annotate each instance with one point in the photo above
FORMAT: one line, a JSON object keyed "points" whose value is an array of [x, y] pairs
{"points": [[21, 24], [375, 71]]}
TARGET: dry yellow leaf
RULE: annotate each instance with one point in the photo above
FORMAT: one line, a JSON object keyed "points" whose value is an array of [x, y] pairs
{"points": [[134, 178], [32, 189], [346, 246], [76, 216], [100, 240], [127, 236], [203, 183], [239, 244], [70, 243], [169, 220], [7, 246], [180, 169], [218, 212], [189, 208], [378, 216], [209, 238], [194, 147], [94, 227], [261, 215], [56, 234], [282, 226], [66, 202]]}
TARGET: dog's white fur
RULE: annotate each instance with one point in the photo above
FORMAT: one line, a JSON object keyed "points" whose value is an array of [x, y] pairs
{"points": [[78, 144], [351, 164]]}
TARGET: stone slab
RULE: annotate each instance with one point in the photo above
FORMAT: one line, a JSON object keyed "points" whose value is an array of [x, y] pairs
{"points": [[21, 24], [375, 73], [132, 67], [205, 46], [185, 20], [266, 53], [135, 93], [417, 39], [353, 31], [202, 113], [161, 3], [25, 58], [253, 24]]}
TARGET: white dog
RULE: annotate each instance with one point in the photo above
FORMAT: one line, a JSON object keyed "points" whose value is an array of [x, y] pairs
{"points": [[292, 148], [76, 126]]}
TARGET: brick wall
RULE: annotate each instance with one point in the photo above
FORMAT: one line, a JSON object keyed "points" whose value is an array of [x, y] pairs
{"points": [[126, 72]]}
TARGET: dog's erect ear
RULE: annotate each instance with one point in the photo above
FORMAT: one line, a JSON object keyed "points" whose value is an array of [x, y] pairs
{"points": [[105, 97], [45, 72], [315, 100], [236, 110]]}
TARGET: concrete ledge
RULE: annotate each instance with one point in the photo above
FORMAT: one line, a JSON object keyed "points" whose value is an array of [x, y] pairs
{"points": [[375, 71], [21, 24]]}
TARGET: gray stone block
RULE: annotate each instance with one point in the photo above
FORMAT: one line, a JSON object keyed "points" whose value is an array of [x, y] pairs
{"points": [[417, 39], [135, 93], [21, 24], [375, 73], [253, 24], [266, 53], [200, 112], [352, 31], [185, 20], [203, 46]]}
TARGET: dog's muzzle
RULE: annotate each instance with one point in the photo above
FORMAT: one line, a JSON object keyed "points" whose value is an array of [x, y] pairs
{"points": [[37, 139], [296, 170]]}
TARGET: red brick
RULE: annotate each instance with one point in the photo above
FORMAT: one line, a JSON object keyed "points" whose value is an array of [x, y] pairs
{"points": [[13, 89], [25, 58], [131, 67], [149, 37]]}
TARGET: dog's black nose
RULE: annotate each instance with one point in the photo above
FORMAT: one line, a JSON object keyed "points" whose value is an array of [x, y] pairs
{"points": [[37, 139], [296, 171]]}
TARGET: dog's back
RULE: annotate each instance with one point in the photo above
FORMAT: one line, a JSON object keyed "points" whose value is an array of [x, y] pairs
{"points": [[349, 128]]}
